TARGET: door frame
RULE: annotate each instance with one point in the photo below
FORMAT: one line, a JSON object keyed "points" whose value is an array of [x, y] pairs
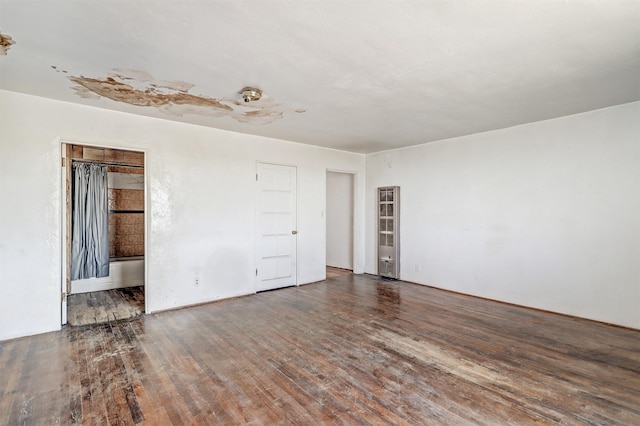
{"points": [[65, 219], [257, 236], [355, 222]]}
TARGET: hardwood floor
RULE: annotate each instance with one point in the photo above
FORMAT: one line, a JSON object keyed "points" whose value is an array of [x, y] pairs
{"points": [[350, 350], [333, 272], [104, 306]]}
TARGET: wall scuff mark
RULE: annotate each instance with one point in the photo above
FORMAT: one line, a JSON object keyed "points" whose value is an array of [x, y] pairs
{"points": [[5, 43], [172, 97]]}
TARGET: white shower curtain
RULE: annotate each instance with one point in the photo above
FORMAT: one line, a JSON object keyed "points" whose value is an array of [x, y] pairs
{"points": [[90, 227]]}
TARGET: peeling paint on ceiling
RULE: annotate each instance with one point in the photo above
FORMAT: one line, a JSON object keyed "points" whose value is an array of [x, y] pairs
{"points": [[390, 75], [140, 88], [5, 43]]}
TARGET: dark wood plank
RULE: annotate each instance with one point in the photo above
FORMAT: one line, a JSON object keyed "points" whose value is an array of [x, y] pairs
{"points": [[333, 272], [351, 350], [104, 306]]}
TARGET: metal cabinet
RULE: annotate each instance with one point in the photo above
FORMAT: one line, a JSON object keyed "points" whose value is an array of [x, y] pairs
{"points": [[389, 232]]}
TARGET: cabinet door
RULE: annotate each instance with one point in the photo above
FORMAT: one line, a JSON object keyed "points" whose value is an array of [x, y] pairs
{"points": [[388, 227]]}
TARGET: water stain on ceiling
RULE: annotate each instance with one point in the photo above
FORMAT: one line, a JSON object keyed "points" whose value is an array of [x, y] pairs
{"points": [[5, 43], [140, 88]]}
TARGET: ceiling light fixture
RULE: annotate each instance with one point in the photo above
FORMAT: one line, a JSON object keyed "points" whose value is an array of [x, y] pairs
{"points": [[251, 94]]}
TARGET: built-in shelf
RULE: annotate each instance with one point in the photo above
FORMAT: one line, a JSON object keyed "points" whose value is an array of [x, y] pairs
{"points": [[388, 232], [125, 211]]}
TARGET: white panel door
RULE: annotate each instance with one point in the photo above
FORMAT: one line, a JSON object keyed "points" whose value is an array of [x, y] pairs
{"points": [[276, 226]]}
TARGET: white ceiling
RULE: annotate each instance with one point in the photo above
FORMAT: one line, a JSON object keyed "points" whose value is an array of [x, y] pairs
{"points": [[360, 76]]}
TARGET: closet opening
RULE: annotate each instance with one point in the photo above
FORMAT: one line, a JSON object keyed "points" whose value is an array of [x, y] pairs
{"points": [[104, 228]]}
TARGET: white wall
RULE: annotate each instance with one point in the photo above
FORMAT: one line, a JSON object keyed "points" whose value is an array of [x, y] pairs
{"points": [[340, 220], [545, 215], [200, 205]]}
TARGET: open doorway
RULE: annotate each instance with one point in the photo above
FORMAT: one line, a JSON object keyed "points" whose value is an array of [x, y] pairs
{"points": [[104, 229], [339, 220]]}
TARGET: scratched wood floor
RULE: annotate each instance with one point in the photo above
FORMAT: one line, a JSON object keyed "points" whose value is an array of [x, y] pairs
{"points": [[333, 272], [104, 306], [349, 350]]}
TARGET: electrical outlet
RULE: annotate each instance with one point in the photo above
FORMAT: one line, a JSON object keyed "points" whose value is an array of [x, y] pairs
{"points": [[418, 267], [197, 282]]}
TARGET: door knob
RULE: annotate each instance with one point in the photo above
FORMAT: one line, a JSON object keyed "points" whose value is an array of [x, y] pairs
{"points": [[294, 232]]}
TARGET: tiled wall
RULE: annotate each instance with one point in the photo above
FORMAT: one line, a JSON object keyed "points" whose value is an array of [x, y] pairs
{"points": [[126, 230]]}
